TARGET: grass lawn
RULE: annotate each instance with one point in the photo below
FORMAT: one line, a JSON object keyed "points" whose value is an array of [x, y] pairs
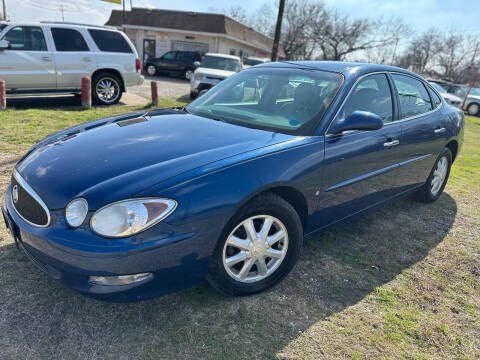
{"points": [[402, 281]]}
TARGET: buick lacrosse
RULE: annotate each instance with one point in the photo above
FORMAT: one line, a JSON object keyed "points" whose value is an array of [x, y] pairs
{"points": [[224, 189]]}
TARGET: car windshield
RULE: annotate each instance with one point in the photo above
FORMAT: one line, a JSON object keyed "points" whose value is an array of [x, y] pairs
{"points": [[288, 101], [438, 87], [2, 26], [253, 62], [220, 63]]}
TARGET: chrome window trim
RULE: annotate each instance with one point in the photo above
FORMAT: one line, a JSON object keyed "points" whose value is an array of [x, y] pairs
{"points": [[33, 194], [326, 134]]}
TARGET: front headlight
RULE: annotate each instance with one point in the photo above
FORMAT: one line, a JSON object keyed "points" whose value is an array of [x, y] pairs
{"points": [[129, 217]]}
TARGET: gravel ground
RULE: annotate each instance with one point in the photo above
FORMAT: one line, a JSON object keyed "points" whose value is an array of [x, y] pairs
{"points": [[168, 87]]}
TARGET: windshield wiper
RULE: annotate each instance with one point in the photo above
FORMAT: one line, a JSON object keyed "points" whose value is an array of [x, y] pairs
{"points": [[181, 108]]}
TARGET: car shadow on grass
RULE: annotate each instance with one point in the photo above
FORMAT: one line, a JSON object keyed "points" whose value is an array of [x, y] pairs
{"points": [[39, 318]]}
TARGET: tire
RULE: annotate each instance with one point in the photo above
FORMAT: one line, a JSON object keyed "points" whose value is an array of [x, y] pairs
{"points": [[473, 109], [230, 279], [151, 70], [203, 92], [431, 191], [188, 74], [99, 94], [193, 95]]}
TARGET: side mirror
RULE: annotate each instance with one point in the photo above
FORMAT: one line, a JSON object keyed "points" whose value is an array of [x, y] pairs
{"points": [[4, 44], [358, 120], [196, 64]]}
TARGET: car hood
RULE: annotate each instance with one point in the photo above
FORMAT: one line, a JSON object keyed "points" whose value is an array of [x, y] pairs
{"points": [[214, 72], [110, 160]]}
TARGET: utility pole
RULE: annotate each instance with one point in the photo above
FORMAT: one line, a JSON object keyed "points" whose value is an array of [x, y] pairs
{"points": [[4, 9], [278, 30]]}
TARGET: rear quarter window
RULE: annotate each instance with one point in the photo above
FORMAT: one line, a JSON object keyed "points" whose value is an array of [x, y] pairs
{"points": [[110, 41]]}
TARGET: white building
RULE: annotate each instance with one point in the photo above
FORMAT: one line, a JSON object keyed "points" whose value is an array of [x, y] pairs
{"points": [[155, 31]]}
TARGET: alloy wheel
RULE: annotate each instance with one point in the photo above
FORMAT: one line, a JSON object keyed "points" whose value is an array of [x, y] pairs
{"points": [[255, 248], [188, 74], [439, 175], [473, 109], [107, 90], [151, 70]]}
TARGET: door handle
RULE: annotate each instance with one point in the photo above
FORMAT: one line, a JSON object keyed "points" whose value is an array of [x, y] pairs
{"points": [[391, 143], [439, 131], [87, 59], [46, 58]]}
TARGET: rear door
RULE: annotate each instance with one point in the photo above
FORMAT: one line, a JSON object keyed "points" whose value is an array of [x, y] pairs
{"points": [[73, 57], [424, 129], [361, 166], [28, 64]]}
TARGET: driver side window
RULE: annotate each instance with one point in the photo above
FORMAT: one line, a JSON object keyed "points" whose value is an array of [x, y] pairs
{"points": [[372, 94]]}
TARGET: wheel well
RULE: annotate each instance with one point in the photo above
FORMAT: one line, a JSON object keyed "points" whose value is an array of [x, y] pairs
{"points": [[453, 146], [110, 71], [294, 198]]}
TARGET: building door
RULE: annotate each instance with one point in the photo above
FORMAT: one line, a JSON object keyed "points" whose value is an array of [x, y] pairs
{"points": [[148, 49]]}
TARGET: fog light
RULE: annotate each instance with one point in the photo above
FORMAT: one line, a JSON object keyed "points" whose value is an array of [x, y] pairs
{"points": [[120, 280]]}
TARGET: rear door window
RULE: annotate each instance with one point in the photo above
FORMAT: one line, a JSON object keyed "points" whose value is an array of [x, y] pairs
{"points": [[68, 40], [414, 98], [26, 38], [110, 41]]}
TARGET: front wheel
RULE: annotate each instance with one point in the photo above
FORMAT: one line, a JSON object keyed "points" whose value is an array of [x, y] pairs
{"points": [[151, 70], [433, 187], [106, 89], [473, 109], [259, 246]]}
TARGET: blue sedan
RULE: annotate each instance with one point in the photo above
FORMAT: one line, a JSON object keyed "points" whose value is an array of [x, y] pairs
{"points": [[144, 204]]}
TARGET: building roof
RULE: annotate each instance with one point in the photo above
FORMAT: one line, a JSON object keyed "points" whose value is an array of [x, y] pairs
{"points": [[216, 24]]}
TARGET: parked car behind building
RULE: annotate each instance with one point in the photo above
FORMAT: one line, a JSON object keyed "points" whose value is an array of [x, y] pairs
{"points": [[178, 63], [52, 57], [213, 69], [449, 98], [472, 101], [252, 61]]}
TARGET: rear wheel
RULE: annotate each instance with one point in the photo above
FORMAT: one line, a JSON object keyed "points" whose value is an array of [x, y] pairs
{"points": [[433, 187], [259, 246], [106, 89], [473, 109], [188, 74]]}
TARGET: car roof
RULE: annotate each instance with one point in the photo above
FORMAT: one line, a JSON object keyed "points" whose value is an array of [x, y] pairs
{"points": [[345, 68], [223, 56], [58, 23]]}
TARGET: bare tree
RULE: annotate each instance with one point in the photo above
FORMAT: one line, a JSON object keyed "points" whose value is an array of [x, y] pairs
{"points": [[298, 35], [421, 53]]}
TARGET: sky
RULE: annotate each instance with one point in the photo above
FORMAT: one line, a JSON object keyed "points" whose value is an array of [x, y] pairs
{"points": [[462, 15]]}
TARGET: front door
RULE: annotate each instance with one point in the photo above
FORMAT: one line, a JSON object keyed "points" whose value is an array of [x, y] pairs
{"points": [[361, 166], [27, 64], [148, 49]]}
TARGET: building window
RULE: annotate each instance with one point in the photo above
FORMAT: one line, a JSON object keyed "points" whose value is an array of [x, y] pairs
{"points": [[233, 52]]}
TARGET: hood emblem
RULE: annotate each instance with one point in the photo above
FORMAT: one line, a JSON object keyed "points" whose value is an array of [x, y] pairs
{"points": [[15, 194]]}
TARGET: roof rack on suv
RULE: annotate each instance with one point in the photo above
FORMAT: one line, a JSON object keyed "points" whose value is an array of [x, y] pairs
{"points": [[78, 24]]}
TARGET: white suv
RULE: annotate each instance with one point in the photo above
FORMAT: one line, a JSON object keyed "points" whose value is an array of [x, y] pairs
{"points": [[50, 58], [213, 69]]}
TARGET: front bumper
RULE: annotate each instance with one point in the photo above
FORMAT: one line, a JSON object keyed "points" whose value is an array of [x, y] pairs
{"points": [[176, 261]]}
